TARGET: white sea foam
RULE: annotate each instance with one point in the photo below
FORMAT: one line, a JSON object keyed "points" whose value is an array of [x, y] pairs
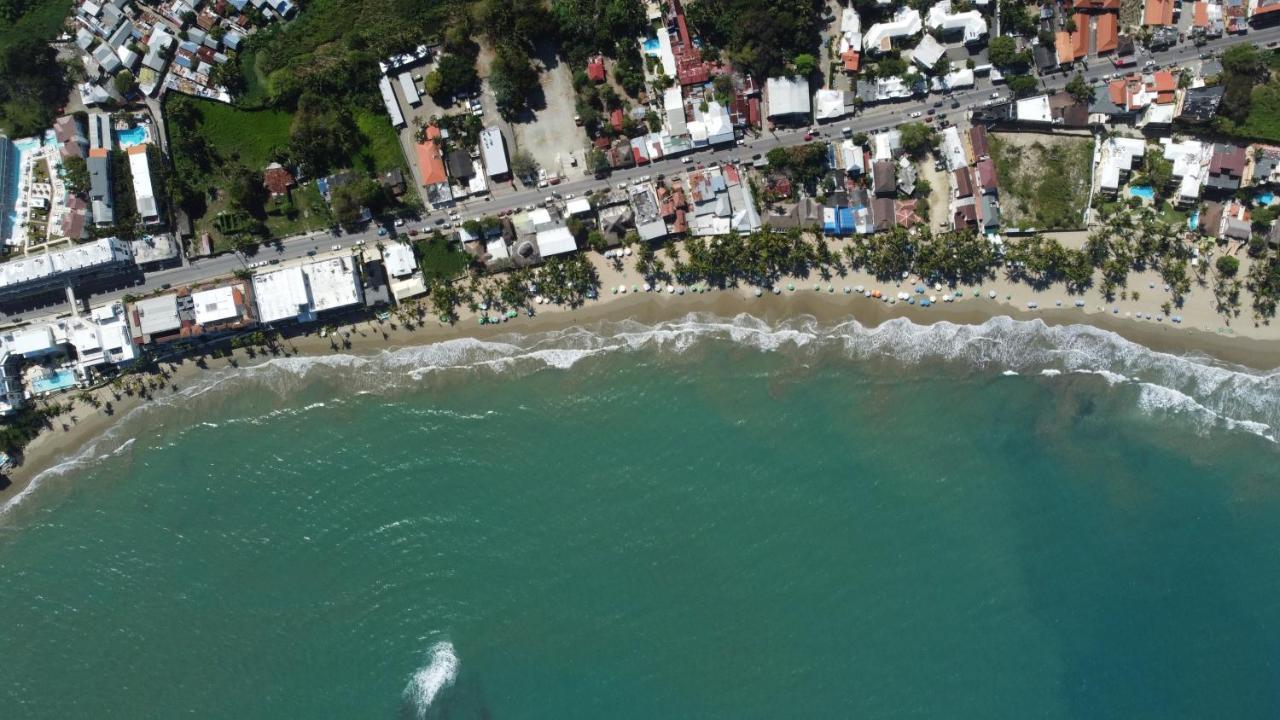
{"points": [[437, 674], [1212, 393]]}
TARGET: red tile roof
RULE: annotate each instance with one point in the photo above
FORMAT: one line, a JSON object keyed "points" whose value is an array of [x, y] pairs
{"points": [[852, 60], [1202, 14], [277, 180], [1107, 36], [595, 69], [1096, 4], [615, 119], [430, 159], [1158, 12], [987, 175]]}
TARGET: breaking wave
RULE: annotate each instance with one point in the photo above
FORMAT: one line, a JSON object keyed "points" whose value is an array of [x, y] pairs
{"points": [[1212, 393], [427, 682]]}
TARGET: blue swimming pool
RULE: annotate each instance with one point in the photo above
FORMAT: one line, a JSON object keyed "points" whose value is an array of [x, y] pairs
{"points": [[1142, 191], [135, 135], [651, 45], [22, 148], [1265, 197], [1194, 220], [58, 380]]}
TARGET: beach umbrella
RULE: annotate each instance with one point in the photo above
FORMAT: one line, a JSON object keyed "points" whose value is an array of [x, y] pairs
{"points": [[680, 291], [671, 289], [759, 292], [911, 301], [777, 290], [933, 299], [846, 289], [831, 288], [920, 289], [791, 287], [615, 291], [647, 287]]}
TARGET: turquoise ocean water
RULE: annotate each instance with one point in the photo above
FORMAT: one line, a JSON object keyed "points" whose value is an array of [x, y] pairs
{"points": [[710, 518]]}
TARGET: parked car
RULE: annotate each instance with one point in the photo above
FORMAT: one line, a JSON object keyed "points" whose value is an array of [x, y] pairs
{"points": [[995, 96], [808, 137], [915, 114], [339, 247]]}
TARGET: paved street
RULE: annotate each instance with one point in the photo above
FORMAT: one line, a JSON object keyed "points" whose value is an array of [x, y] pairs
{"points": [[877, 118]]}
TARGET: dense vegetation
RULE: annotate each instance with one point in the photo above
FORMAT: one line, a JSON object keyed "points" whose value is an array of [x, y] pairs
{"points": [[759, 36], [33, 84], [1045, 184]]}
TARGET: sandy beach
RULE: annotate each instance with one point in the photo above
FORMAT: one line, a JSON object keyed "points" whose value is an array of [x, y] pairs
{"points": [[1203, 332]]}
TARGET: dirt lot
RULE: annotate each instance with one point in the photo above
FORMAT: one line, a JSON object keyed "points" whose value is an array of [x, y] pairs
{"points": [[1044, 179], [552, 135], [939, 195]]}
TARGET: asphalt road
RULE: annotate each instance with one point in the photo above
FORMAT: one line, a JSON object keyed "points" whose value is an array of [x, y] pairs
{"points": [[877, 118]]}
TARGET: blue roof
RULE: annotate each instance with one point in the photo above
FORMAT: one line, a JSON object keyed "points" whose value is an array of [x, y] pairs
{"points": [[844, 218], [183, 60], [189, 46], [232, 40], [238, 4]]}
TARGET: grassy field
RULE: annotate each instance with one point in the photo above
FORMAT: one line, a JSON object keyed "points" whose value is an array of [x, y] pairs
{"points": [[1044, 180], [439, 259], [43, 20], [1263, 121], [251, 136], [381, 151]]}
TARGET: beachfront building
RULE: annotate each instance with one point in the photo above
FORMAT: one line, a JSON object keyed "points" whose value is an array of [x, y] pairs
{"points": [[969, 26], [431, 165], [45, 357], [403, 274], [44, 272], [1190, 160], [301, 292], [1117, 158]]}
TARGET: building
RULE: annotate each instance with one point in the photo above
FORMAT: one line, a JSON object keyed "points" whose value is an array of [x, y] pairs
{"points": [[1117, 157], [1190, 160], [101, 202], [143, 195], [277, 180], [879, 37], [1200, 105], [403, 274], [409, 89], [42, 272], [493, 151], [435, 178], [301, 292], [1226, 168], [927, 53], [969, 26], [1158, 12], [389, 101], [155, 318], [978, 143], [223, 308], [788, 100]]}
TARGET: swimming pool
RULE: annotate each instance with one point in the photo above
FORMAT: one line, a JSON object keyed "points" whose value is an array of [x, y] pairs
{"points": [[135, 135], [1194, 221], [22, 148], [1142, 191], [1265, 197], [58, 380], [651, 46]]}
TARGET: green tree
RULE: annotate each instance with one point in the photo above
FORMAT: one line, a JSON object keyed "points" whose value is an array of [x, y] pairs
{"points": [[1227, 266], [323, 136], [454, 74], [917, 138], [1080, 89], [523, 165], [1002, 51], [1022, 85], [123, 82], [805, 64], [513, 80], [32, 85], [75, 173]]}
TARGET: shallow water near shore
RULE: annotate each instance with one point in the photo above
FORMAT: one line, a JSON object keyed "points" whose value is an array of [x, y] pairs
{"points": [[708, 517]]}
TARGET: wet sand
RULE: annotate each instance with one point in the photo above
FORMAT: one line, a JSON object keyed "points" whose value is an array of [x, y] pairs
{"points": [[1202, 334]]}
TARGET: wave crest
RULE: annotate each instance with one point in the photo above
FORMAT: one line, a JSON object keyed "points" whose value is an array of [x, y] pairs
{"points": [[437, 674]]}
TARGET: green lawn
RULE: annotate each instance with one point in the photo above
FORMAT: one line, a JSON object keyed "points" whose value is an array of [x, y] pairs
{"points": [[1044, 181], [307, 211], [439, 259], [381, 151], [248, 135]]}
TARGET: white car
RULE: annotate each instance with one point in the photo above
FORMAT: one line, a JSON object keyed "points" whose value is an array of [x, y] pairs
{"points": [[569, 196], [915, 114], [684, 160], [995, 96], [399, 222], [336, 247]]}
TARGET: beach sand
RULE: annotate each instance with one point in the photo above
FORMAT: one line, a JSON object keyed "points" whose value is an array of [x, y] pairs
{"points": [[1202, 332]]}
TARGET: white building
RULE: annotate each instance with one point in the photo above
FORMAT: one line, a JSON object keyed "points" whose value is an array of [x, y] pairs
{"points": [[389, 100], [953, 149], [216, 305], [1034, 109], [852, 158], [493, 150], [404, 277], [828, 104], [969, 25], [555, 241], [788, 97], [1190, 160], [1117, 157], [673, 107], [927, 53], [409, 89], [143, 195], [905, 23], [301, 292]]}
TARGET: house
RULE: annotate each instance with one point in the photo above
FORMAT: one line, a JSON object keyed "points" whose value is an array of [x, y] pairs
{"points": [[978, 143], [1226, 168], [404, 277], [1264, 12], [962, 180], [435, 178], [302, 291], [1190, 160], [1200, 105], [988, 212], [987, 180], [595, 69], [788, 99], [883, 179], [1072, 46], [953, 153], [830, 105], [277, 180], [101, 199], [70, 136], [390, 103]]}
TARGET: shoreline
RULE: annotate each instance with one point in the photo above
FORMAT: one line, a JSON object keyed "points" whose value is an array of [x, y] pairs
{"points": [[74, 434]]}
